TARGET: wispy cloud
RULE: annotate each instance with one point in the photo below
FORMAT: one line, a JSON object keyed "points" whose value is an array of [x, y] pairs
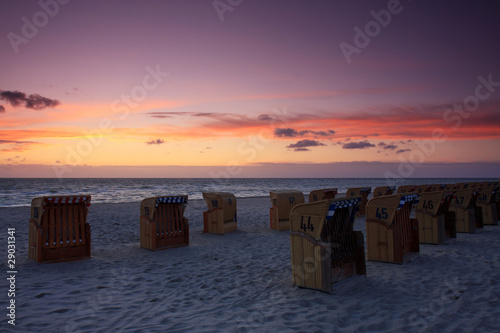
{"points": [[155, 142]]}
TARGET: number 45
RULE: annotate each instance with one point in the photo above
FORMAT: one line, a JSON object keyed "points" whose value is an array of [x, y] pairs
{"points": [[381, 213]]}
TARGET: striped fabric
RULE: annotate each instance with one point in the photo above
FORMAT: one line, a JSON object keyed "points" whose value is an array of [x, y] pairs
{"points": [[177, 199], [64, 200], [341, 204], [408, 198]]}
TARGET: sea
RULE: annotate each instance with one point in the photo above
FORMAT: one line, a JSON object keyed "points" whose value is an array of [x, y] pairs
{"points": [[19, 192]]}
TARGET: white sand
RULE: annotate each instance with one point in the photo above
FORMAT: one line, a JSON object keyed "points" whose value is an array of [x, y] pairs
{"points": [[241, 282]]}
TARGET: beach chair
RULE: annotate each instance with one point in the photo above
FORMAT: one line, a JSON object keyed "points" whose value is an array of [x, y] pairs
{"points": [[327, 193], [282, 202], [463, 205], [325, 249], [436, 223], [162, 222], [58, 228], [391, 236], [407, 189], [363, 192], [462, 186], [486, 205], [426, 188], [220, 218], [383, 190]]}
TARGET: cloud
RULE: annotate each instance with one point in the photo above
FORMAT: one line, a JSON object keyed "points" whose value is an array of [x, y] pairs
{"points": [[285, 132], [155, 142], [291, 133], [358, 145], [303, 144], [391, 147], [2, 109], [382, 144], [402, 151], [33, 101]]}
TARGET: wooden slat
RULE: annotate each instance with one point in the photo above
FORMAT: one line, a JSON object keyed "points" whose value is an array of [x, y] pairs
{"points": [[52, 219], [81, 222], [76, 224]]}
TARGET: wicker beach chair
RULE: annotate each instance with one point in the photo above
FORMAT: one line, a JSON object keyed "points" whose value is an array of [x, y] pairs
{"points": [[463, 205], [383, 190], [162, 222], [436, 223], [486, 205], [391, 236], [220, 218], [322, 194], [324, 247], [282, 203], [58, 228], [363, 192]]}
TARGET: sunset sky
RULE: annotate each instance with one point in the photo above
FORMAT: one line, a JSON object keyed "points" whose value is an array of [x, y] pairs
{"points": [[249, 88]]}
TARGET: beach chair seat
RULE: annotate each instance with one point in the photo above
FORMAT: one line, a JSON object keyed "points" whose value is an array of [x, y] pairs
{"points": [[220, 218], [324, 247], [463, 205], [486, 204], [58, 229], [282, 203], [383, 190], [436, 223], [162, 222], [322, 194], [363, 192], [391, 235]]}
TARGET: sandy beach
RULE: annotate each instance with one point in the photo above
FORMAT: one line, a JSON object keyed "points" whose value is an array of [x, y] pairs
{"points": [[241, 282]]}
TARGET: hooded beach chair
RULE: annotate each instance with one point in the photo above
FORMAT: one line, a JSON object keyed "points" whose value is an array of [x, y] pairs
{"points": [[463, 205], [383, 190], [363, 192], [162, 222], [282, 203], [436, 223], [407, 189], [324, 247], [58, 228], [322, 194], [220, 218], [391, 236], [462, 186], [486, 204]]}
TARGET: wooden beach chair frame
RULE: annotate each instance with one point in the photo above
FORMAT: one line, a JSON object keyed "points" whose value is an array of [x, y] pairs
{"points": [[162, 222], [391, 235], [58, 229], [436, 223], [221, 216], [407, 189], [364, 192], [463, 205], [323, 194], [282, 203], [383, 191], [486, 204], [325, 249]]}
